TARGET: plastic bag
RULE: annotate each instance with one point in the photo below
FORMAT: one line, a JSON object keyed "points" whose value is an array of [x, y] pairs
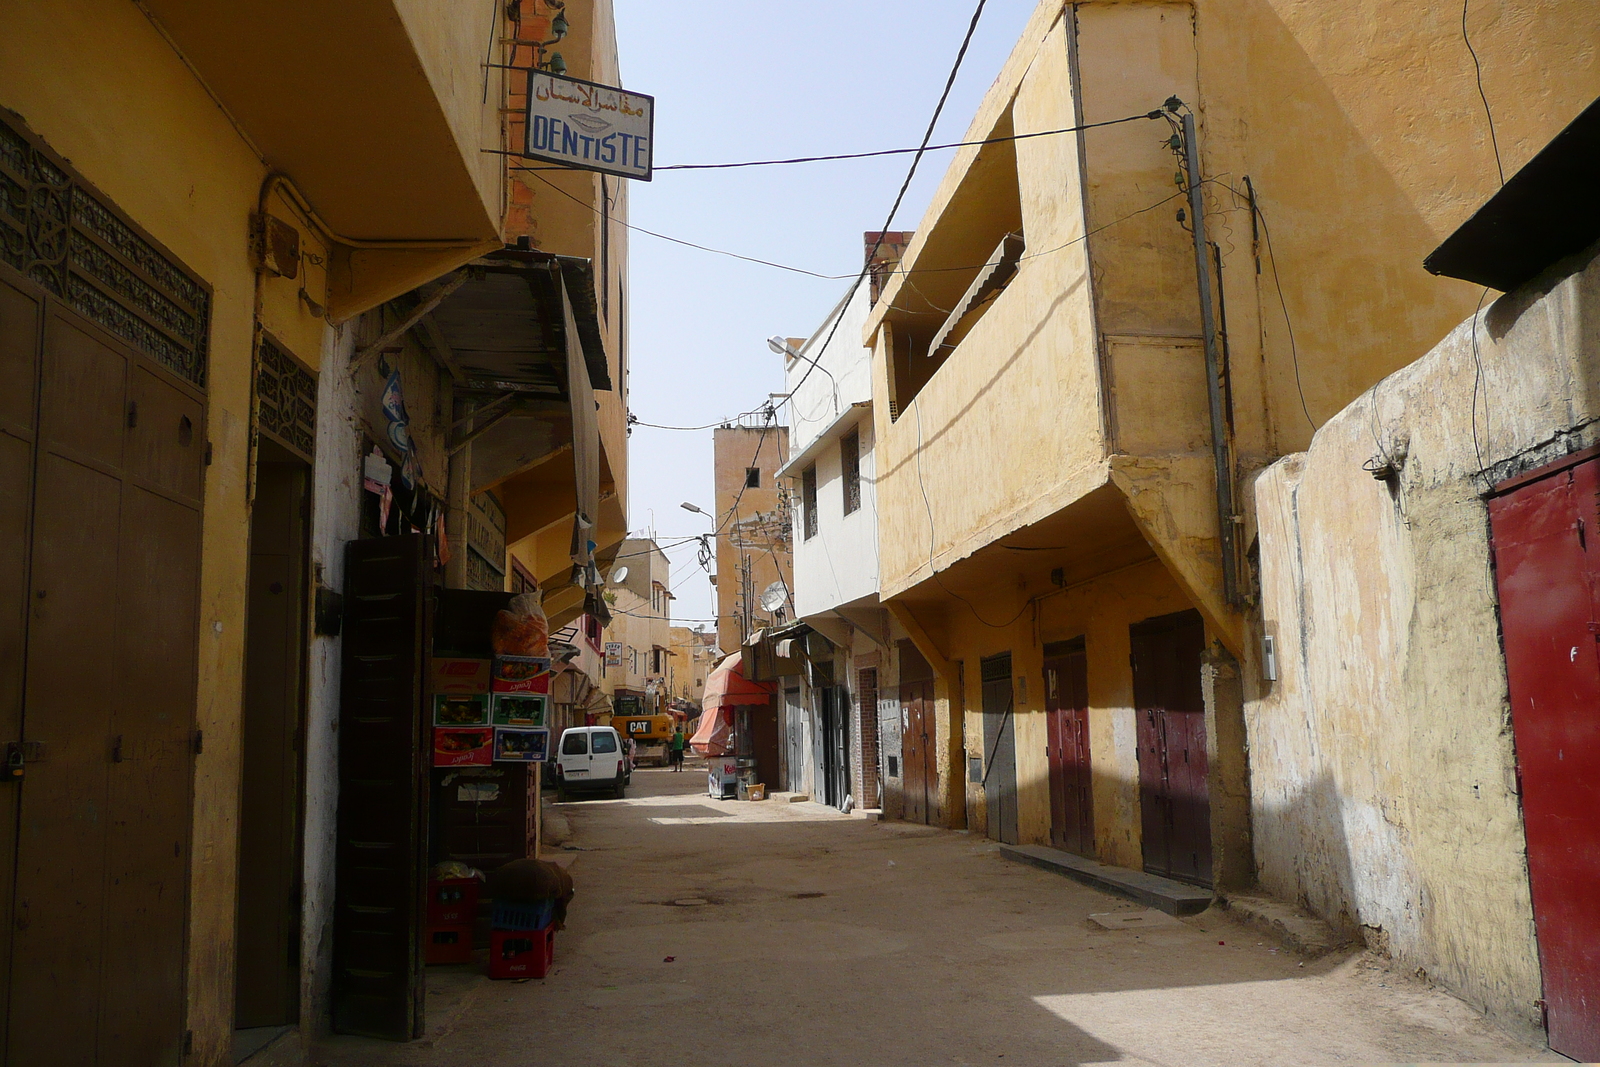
{"points": [[521, 629]]}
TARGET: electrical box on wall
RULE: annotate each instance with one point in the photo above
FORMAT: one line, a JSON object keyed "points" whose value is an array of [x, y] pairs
{"points": [[1269, 658]]}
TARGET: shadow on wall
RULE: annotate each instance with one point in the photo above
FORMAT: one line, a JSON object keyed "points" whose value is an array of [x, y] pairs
{"points": [[1303, 846]]}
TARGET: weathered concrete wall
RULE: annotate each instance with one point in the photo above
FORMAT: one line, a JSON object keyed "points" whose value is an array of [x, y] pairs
{"points": [[335, 519], [1383, 786], [1362, 131]]}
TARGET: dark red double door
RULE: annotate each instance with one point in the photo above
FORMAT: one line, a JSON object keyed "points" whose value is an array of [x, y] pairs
{"points": [[1174, 796], [1547, 563], [1066, 703]]}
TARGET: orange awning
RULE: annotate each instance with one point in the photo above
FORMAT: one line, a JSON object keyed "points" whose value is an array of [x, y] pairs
{"points": [[728, 685]]}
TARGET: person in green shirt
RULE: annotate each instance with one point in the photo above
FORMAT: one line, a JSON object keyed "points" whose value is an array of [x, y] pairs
{"points": [[677, 749]]}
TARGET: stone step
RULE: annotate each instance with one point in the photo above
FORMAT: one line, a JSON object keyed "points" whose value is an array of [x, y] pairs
{"points": [[1152, 890]]}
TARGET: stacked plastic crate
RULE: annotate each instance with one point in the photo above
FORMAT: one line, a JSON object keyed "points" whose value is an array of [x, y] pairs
{"points": [[452, 907], [522, 940]]}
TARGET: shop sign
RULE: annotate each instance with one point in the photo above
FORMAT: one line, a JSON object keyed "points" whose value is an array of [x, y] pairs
{"points": [[613, 653], [587, 126]]}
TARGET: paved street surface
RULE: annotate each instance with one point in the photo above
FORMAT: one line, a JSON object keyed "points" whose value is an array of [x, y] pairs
{"points": [[778, 934]]}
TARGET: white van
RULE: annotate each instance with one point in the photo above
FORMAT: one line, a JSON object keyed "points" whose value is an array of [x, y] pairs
{"points": [[591, 759]]}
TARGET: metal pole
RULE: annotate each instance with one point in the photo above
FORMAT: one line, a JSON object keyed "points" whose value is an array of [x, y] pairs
{"points": [[1208, 326]]}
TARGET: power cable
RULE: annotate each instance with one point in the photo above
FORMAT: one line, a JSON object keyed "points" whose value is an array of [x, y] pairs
{"points": [[1477, 66], [899, 151], [1283, 304], [866, 268]]}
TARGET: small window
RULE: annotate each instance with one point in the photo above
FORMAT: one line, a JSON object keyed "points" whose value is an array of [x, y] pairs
{"points": [[808, 500], [752, 477], [894, 766], [605, 741], [575, 743], [850, 465]]}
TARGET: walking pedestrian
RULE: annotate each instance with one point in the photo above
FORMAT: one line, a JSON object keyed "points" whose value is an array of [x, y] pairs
{"points": [[677, 750]]}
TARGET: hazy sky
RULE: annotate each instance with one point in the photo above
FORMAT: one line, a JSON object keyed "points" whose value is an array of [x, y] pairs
{"points": [[759, 79]]}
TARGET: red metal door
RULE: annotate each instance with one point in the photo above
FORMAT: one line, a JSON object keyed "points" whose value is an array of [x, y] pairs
{"points": [[1548, 573], [1066, 678], [1175, 799]]}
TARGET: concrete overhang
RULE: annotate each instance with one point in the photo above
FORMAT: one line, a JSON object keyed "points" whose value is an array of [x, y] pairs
{"points": [[849, 417], [1092, 536], [374, 110]]}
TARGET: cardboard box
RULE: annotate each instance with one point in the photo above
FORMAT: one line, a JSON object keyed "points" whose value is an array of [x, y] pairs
{"points": [[471, 746], [757, 792], [520, 674], [515, 744], [461, 709], [460, 675], [521, 709]]}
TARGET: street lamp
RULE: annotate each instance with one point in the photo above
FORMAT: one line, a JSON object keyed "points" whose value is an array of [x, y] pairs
{"points": [[686, 506], [782, 347]]}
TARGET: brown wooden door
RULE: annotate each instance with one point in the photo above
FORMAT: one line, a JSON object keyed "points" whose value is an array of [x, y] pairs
{"points": [[267, 938], [99, 917], [916, 704], [1066, 693], [20, 311], [380, 845], [1547, 567], [1000, 749], [918, 730], [1174, 795]]}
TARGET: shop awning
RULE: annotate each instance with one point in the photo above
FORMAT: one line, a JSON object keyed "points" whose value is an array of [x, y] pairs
{"points": [[728, 685]]}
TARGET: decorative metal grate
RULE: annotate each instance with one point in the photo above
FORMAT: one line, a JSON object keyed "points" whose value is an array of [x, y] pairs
{"points": [[286, 400], [58, 232]]}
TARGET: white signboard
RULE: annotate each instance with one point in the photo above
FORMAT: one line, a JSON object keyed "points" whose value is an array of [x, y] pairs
{"points": [[590, 127]]}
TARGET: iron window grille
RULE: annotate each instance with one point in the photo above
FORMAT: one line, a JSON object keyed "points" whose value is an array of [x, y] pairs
{"points": [[850, 464], [808, 500]]}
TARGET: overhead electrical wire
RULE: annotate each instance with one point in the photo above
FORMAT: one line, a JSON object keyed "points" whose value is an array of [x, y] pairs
{"points": [[899, 151], [944, 96]]}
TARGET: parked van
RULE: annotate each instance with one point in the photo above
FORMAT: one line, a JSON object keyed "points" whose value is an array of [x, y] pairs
{"points": [[592, 759]]}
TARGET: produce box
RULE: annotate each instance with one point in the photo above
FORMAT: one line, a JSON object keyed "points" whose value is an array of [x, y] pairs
{"points": [[471, 746], [520, 674], [460, 675], [520, 709], [461, 709]]}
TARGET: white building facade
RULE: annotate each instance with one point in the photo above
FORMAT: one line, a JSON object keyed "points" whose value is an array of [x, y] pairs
{"points": [[840, 718]]}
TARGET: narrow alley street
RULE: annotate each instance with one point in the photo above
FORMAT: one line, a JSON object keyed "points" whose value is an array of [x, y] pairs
{"points": [[784, 933]]}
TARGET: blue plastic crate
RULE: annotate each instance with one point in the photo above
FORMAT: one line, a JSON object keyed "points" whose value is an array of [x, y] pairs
{"points": [[523, 915]]}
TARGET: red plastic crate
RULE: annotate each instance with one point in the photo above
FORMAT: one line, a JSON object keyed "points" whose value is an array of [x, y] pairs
{"points": [[453, 901], [521, 953], [450, 944]]}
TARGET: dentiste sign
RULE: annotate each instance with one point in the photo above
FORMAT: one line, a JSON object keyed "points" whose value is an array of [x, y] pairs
{"points": [[588, 126]]}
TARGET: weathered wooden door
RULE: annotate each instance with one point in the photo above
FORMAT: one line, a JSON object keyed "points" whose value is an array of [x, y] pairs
{"points": [[1174, 796], [267, 938], [380, 847], [918, 729], [1547, 567], [867, 701], [1000, 749], [794, 727], [99, 911], [1066, 696]]}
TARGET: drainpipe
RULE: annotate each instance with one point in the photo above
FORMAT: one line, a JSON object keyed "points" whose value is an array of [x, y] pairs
{"points": [[1219, 427]]}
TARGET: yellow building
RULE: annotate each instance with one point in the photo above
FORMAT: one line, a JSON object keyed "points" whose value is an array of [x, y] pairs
{"points": [[752, 527], [1054, 459], [230, 238], [692, 657], [640, 628]]}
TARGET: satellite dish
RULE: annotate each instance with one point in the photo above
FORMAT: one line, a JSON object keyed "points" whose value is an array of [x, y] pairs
{"points": [[619, 575], [774, 596]]}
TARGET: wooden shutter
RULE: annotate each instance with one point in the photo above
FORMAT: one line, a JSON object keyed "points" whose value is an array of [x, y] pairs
{"points": [[381, 842]]}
